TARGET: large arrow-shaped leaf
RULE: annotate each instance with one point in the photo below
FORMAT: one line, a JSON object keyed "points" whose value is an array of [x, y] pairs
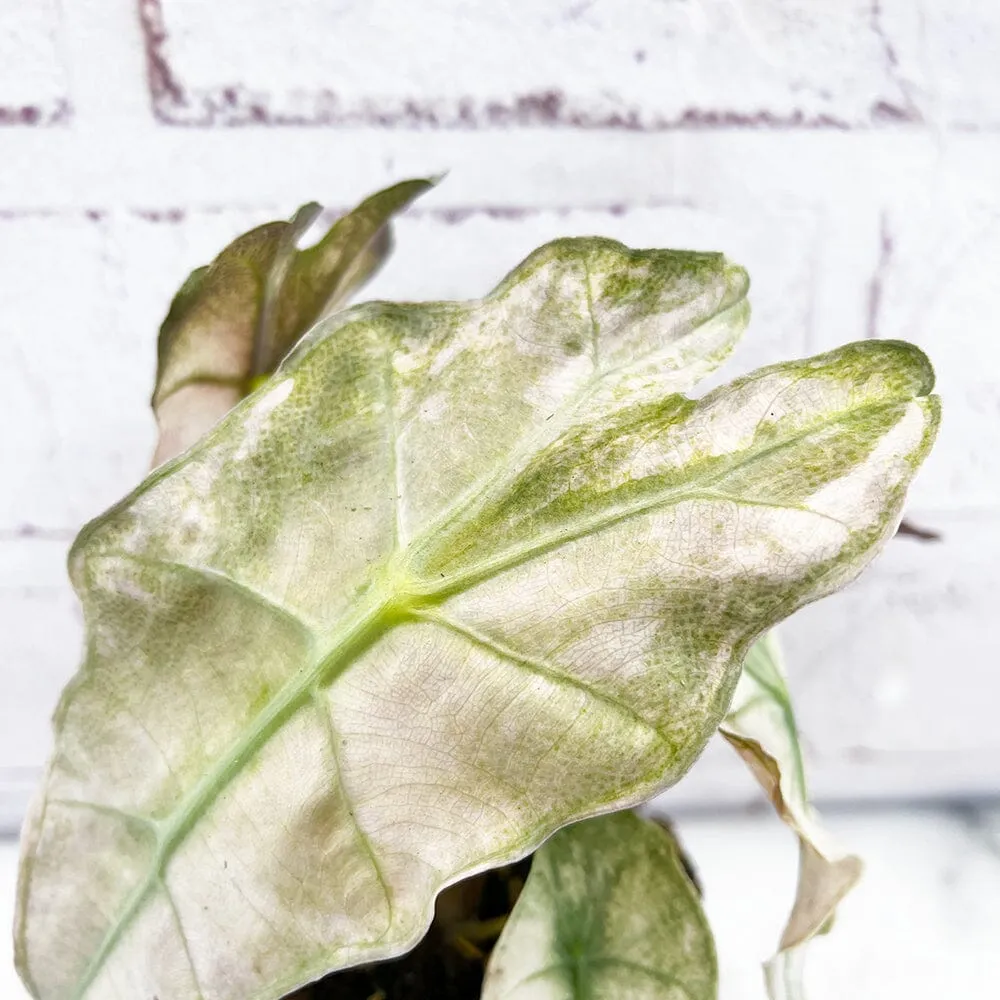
{"points": [[458, 575], [608, 912]]}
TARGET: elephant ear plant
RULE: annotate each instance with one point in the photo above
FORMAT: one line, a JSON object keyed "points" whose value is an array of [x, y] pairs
{"points": [[452, 583]]}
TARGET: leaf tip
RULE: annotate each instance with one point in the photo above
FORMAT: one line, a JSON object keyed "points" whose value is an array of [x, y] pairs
{"points": [[737, 280], [915, 362], [305, 215]]}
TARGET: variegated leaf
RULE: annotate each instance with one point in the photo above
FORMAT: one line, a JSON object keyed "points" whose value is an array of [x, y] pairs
{"points": [[458, 575], [233, 320], [607, 912], [761, 727]]}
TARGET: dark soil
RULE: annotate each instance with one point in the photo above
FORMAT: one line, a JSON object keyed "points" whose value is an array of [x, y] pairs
{"points": [[449, 963]]}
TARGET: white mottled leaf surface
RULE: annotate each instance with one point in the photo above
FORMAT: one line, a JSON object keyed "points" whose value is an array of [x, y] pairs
{"points": [[457, 575]]}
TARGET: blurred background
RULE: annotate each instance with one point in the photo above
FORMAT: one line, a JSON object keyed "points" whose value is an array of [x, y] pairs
{"points": [[846, 151]]}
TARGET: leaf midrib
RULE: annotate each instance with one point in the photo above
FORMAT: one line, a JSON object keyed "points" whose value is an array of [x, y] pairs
{"points": [[393, 599], [358, 632]]}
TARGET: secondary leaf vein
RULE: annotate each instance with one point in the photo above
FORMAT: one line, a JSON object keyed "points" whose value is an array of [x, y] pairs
{"points": [[536, 666]]}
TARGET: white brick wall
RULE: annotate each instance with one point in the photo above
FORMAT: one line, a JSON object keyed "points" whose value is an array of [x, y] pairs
{"points": [[550, 62], [33, 85], [846, 152]]}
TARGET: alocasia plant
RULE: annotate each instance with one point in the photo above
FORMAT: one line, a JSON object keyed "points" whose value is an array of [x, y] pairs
{"points": [[455, 576]]}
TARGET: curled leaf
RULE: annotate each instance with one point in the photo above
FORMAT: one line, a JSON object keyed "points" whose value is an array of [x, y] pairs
{"points": [[761, 727], [459, 574], [608, 911], [235, 319]]}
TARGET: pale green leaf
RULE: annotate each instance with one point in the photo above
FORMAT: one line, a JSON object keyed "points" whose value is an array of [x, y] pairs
{"points": [[607, 912], [233, 320], [458, 575], [761, 727]]}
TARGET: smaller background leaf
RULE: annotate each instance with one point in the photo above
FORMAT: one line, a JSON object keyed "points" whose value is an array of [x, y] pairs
{"points": [[761, 727], [607, 912], [232, 321]]}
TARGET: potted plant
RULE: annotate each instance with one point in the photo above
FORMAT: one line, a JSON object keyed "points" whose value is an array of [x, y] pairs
{"points": [[416, 592]]}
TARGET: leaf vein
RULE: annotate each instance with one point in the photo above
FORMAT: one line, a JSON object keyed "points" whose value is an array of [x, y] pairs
{"points": [[326, 719], [213, 575], [172, 903], [395, 449], [672, 496], [536, 666]]}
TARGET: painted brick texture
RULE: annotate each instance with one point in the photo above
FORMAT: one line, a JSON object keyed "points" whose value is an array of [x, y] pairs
{"points": [[848, 159], [551, 62], [33, 84]]}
